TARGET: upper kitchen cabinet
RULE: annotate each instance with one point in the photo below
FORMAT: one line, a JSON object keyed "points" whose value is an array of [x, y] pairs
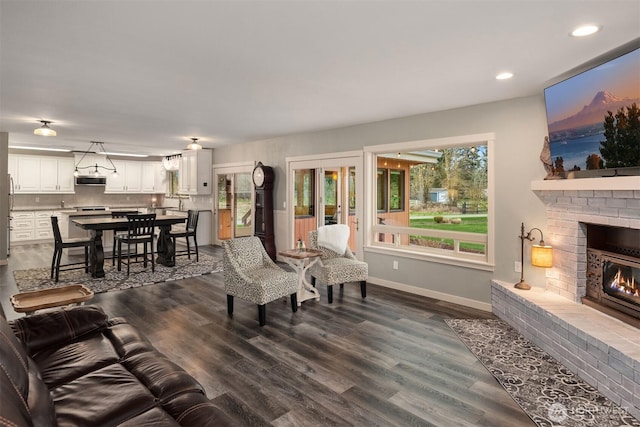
{"points": [[128, 179], [136, 177], [195, 172], [56, 175], [41, 174], [154, 178]]}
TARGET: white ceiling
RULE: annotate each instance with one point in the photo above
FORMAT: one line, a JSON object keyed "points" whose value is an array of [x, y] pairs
{"points": [[144, 76]]}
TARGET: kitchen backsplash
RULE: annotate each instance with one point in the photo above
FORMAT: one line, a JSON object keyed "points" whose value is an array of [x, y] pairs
{"points": [[95, 196], [85, 196]]}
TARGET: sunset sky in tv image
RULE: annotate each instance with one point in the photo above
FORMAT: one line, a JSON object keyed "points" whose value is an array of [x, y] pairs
{"points": [[620, 77]]}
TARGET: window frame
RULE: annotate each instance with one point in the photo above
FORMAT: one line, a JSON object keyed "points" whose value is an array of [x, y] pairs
{"points": [[484, 261]]}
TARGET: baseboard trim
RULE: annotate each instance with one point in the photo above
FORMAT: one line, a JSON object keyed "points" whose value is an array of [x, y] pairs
{"points": [[467, 302]]}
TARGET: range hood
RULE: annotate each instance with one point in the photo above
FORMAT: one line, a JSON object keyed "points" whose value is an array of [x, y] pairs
{"points": [[91, 180]]}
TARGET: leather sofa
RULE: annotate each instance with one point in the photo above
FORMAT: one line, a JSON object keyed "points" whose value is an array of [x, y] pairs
{"points": [[77, 367]]}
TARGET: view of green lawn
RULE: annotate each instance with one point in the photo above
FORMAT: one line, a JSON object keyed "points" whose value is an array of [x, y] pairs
{"points": [[470, 224]]}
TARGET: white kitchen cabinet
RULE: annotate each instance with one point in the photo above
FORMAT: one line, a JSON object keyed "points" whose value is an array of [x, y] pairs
{"points": [[56, 175], [27, 178], [41, 174], [195, 172], [153, 178], [22, 226], [43, 228], [128, 179]]}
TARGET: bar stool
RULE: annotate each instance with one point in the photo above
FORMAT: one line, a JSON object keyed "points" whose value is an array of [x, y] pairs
{"points": [[59, 245], [190, 231], [118, 214], [140, 231]]}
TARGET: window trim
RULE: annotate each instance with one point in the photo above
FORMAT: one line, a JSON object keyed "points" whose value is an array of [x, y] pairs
{"points": [[485, 262]]}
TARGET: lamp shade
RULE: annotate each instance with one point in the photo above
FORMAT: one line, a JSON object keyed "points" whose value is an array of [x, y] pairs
{"points": [[542, 256], [45, 130]]}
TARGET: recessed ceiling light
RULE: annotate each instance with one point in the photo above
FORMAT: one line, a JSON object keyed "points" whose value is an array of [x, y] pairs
{"points": [[109, 153], [585, 30], [504, 76]]}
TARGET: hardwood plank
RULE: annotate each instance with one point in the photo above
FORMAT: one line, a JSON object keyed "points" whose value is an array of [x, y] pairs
{"points": [[386, 360]]}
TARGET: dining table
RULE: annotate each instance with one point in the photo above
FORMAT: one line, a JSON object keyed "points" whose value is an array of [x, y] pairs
{"points": [[96, 226]]}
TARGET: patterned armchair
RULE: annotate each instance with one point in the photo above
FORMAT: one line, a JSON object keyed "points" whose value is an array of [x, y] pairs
{"points": [[334, 268], [251, 275]]}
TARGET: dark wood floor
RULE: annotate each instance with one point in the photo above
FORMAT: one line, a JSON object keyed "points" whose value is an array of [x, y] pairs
{"points": [[389, 360]]}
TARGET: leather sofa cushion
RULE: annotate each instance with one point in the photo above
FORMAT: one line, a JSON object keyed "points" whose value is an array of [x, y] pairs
{"points": [[52, 328], [108, 396]]}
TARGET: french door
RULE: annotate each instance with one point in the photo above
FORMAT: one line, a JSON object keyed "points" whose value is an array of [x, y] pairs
{"points": [[233, 202], [324, 190]]}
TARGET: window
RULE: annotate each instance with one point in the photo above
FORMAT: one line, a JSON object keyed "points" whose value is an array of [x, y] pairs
{"points": [[381, 190], [433, 198], [396, 190], [304, 192]]}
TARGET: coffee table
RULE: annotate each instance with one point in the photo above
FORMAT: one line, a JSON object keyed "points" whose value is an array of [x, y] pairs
{"points": [[300, 260], [30, 302]]}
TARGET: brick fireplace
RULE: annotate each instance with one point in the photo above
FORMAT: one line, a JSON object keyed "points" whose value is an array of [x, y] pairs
{"points": [[601, 349]]}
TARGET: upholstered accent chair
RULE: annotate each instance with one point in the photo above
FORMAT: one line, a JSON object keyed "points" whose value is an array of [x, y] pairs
{"points": [[334, 268], [250, 274]]}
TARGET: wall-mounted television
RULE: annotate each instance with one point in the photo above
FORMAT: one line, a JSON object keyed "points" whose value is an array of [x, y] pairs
{"points": [[593, 117]]}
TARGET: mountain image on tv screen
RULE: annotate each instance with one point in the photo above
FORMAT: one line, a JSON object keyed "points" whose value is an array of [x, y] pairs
{"points": [[594, 117]]}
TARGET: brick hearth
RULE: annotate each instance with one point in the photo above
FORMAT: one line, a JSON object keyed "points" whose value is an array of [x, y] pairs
{"points": [[603, 351]]}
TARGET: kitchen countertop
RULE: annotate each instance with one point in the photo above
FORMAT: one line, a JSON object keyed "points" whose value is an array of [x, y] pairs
{"points": [[72, 211]]}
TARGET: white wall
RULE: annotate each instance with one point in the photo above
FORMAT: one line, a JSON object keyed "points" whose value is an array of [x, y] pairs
{"points": [[519, 126]]}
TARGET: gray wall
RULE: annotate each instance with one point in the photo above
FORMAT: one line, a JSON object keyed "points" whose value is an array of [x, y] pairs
{"points": [[519, 125]]}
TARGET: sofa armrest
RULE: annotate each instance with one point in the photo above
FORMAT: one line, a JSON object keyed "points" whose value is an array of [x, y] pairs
{"points": [[44, 330]]}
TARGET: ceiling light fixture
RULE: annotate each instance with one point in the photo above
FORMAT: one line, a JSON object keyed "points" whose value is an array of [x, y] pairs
{"points": [[585, 30], [95, 167], [504, 76], [45, 130], [194, 145]]}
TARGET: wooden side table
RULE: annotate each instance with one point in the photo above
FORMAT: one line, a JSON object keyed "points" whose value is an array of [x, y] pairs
{"points": [[30, 302], [300, 261]]}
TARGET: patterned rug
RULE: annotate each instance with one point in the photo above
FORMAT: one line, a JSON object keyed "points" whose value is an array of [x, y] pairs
{"points": [[549, 393], [114, 280]]}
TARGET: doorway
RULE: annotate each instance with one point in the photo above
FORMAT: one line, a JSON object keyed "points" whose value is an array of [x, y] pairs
{"points": [[233, 203], [323, 190]]}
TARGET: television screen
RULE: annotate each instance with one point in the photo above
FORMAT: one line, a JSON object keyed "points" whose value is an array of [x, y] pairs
{"points": [[593, 117]]}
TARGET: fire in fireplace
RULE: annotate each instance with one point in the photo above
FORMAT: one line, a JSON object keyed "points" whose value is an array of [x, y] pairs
{"points": [[613, 284]]}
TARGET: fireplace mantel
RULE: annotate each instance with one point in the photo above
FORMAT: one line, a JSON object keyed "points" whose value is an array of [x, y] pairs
{"points": [[613, 183]]}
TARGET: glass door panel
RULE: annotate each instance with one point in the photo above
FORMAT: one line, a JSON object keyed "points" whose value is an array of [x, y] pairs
{"points": [[224, 206], [242, 205], [304, 203]]}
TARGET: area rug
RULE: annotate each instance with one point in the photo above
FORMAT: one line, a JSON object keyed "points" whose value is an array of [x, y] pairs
{"points": [[114, 280], [548, 392]]}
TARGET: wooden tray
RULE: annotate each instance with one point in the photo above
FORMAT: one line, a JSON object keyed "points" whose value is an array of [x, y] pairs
{"points": [[28, 302]]}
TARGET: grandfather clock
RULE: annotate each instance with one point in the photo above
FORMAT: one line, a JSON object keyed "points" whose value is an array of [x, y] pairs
{"points": [[263, 209]]}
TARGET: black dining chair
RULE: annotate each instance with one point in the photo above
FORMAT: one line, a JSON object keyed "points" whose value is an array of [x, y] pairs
{"points": [[60, 244], [140, 231], [190, 231], [118, 214]]}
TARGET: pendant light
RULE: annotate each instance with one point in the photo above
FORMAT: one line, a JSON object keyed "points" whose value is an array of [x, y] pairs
{"points": [[194, 145], [45, 130]]}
